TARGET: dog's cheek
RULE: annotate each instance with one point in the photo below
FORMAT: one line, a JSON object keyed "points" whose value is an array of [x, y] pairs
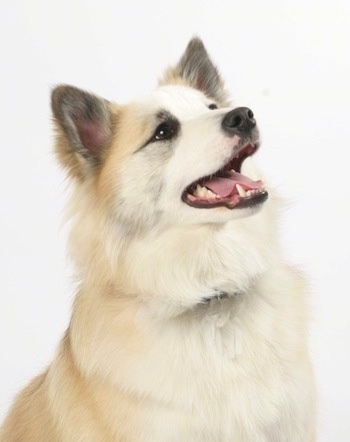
{"points": [[138, 191]]}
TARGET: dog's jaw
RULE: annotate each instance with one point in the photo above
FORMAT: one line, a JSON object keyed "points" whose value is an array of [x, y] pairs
{"points": [[227, 187]]}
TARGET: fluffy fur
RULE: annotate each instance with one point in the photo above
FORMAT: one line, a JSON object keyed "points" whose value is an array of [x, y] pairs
{"points": [[152, 353]]}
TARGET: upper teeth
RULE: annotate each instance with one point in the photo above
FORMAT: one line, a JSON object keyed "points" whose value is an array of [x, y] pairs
{"points": [[211, 194], [240, 190], [203, 192], [200, 191]]}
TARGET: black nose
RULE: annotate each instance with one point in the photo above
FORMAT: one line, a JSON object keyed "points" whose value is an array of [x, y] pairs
{"points": [[238, 121]]}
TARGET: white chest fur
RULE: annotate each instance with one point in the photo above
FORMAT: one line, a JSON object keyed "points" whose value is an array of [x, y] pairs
{"points": [[233, 370]]}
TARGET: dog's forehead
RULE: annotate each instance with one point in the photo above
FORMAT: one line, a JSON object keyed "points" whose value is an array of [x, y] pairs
{"points": [[181, 101]]}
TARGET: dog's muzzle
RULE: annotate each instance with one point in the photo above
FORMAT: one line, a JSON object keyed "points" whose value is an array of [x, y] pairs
{"points": [[228, 187]]}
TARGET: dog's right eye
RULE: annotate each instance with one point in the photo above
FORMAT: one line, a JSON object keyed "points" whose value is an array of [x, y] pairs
{"points": [[165, 131]]}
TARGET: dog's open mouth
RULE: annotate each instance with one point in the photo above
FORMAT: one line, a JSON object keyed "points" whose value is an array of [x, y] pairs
{"points": [[227, 187]]}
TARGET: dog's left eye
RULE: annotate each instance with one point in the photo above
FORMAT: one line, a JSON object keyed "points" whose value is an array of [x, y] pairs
{"points": [[212, 106], [165, 131]]}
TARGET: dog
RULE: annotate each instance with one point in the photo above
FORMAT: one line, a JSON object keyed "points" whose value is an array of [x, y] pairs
{"points": [[187, 326]]}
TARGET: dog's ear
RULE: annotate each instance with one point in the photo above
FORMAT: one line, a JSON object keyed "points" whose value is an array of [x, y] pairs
{"points": [[196, 69], [84, 128]]}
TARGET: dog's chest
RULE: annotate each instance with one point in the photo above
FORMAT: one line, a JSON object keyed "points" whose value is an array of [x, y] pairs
{"points": [[223, 396], [207, 372]]}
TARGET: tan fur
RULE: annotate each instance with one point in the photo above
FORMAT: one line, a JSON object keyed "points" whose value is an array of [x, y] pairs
{"points": [[132, 130], [144, 359]]}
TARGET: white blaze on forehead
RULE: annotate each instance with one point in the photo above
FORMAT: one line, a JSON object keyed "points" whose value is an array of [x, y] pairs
{"points": [[183, 102]]}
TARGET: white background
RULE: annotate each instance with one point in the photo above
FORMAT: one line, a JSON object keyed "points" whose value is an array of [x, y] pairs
{"points": [[287, 60]]}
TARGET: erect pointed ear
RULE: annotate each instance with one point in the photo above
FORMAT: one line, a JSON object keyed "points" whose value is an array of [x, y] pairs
{"points": [[196, 69], [84, 128]]}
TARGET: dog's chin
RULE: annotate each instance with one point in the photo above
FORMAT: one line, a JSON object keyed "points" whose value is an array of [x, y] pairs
{"points": [[182, 214], [220, 214]]}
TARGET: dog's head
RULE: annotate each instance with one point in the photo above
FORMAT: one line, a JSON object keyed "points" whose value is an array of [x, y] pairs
{"points": [[175, 156]]}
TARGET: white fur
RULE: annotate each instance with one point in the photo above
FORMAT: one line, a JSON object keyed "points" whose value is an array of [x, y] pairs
{"points": [[145, 358], [236, 369]]}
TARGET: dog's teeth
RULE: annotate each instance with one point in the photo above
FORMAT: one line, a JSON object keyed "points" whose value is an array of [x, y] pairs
{"points": [[206, 192], [254, 192], [210, 194], [199, 191], [203, 192], [240, 190]]}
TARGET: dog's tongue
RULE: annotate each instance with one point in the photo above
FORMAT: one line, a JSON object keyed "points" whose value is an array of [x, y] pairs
{"points": [[226, 186]]}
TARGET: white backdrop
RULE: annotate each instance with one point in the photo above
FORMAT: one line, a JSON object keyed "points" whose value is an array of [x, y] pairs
{"points": [[287, 60]]}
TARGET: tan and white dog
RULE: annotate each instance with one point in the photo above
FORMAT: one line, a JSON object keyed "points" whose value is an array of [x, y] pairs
{"points": [[187, 325]]}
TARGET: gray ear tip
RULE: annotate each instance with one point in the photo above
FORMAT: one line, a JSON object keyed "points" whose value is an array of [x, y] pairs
{"points": [[61, 91], [196, 43], [59, 95], [58, 90]]}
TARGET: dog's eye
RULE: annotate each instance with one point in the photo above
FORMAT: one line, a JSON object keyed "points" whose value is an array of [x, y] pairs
{"points": [[165, 131], [212, 106]]}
